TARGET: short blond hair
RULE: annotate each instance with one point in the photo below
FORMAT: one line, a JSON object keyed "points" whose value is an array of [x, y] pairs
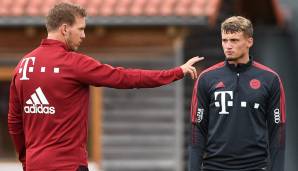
{"points": [[63, 13], [237, 24]]}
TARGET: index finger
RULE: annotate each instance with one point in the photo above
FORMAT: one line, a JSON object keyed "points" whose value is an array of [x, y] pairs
{"points": [[195, 60]]}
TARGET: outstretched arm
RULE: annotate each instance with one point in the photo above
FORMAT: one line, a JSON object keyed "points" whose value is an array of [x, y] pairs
{"points": [[90, 71]]}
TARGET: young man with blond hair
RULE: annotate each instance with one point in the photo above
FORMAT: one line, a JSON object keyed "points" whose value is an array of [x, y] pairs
{"points": [[49, 93], [238, 109]]}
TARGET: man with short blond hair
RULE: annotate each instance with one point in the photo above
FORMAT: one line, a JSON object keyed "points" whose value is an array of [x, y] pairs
{"points": [[49, 93], [238, 109], [237, 24]]}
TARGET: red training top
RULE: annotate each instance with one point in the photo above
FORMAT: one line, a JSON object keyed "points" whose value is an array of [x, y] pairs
{"points": [[48, 106]]}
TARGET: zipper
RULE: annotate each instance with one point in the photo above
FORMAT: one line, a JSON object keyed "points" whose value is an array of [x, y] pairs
{"points": [[236, 100], [237, 84]]}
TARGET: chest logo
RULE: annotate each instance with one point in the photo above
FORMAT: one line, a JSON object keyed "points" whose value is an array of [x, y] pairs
{"points": [[255, 84], [223, 99]]}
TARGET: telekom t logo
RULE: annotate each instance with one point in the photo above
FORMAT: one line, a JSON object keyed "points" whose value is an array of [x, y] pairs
{"points": [[222, 101], [24, 67]]}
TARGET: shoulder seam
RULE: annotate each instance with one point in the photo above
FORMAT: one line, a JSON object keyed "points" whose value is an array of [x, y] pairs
{"points": [[213, 67], [265, 68], [282, 93]]}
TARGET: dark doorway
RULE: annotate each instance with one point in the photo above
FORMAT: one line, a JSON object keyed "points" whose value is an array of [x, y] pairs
{"points": [[6, 145]]}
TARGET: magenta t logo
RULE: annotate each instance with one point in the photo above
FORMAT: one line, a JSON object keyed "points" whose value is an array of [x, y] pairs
{"points": [[24, 67]]}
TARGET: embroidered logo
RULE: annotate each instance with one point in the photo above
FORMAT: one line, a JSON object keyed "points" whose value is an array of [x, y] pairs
{"points": [[220, 85], [276, 116], [200, 114], [255, 84], [225, 100]]}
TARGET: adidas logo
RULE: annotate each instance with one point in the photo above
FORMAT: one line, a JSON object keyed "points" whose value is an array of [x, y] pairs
{"points": [[38, 104], [220, 85]]}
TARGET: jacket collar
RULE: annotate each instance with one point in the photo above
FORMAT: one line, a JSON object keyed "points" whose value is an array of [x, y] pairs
{"points": [[52, 42], [239, 67]]}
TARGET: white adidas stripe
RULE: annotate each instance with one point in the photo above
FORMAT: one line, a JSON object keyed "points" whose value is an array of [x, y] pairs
{"points": [[42, 96], [35, 99], [38, 98], [29, 101]]}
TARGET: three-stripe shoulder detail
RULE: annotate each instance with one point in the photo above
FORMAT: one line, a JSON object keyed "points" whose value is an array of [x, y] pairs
{"points": [[263, 67], [214, 67], [194, 103], [282, 92]]}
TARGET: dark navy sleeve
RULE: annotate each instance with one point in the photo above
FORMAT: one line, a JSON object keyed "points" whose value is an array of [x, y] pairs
{"points": [[276, 119], [199, 126]]}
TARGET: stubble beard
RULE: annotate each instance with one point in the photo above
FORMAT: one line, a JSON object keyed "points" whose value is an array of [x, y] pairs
{"points": [[233, 58], [70, 43]]}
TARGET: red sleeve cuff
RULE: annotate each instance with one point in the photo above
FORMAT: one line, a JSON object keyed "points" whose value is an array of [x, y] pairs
{"points": [[179, 73]]}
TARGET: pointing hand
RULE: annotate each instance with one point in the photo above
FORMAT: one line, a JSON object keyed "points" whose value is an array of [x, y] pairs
{"points": [[188, 67]]}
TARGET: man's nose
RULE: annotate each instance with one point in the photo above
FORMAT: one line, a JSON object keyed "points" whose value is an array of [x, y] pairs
{"points": [[83, 35], [228, 45]]}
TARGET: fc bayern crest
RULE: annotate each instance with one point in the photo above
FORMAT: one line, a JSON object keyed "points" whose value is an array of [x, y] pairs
{"points": [[255, 84]]}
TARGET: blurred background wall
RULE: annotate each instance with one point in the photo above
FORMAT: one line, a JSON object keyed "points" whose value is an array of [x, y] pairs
{"points": [[148, 129]]}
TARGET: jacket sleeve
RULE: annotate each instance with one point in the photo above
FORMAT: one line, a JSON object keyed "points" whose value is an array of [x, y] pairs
{"points": [[199, 126], [90, 71], [15, 124], [276, 120]]}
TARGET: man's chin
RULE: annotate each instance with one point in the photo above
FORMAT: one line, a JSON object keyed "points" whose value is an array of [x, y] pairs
{"points": [[231, 59], [74, 48]]}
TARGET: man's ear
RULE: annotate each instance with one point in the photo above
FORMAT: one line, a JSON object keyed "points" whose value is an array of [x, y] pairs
{"points": [[63, 29], [250, 42]]}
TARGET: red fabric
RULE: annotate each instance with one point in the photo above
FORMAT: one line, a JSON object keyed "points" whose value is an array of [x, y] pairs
{"points": [[50, 109]]}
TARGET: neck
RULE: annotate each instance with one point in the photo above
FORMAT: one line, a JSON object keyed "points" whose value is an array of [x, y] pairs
{"points": [[56, 36]]}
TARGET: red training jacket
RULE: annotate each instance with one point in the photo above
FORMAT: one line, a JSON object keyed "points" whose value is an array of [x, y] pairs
{"points": [[48, 106]]}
